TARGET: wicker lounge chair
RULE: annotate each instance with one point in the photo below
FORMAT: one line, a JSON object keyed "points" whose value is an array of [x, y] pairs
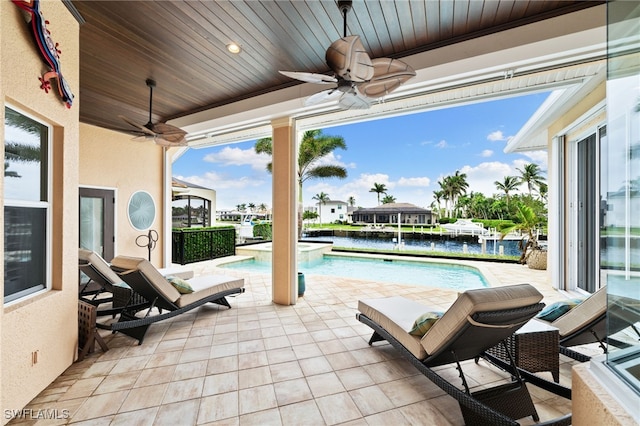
{"points": [[478, 320], [102, 280], [587, 323], [146, 281]]}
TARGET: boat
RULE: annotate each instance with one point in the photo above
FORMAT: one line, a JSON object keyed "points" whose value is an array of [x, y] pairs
{"points": [[465, 226]]}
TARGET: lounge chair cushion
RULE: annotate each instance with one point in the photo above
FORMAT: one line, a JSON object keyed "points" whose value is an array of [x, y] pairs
{"points": [[181, 285], [424, 322], [156, 279], [592, 307], [397, 315], [207, 285], [472, 301], [557, 309], [99, 264]]}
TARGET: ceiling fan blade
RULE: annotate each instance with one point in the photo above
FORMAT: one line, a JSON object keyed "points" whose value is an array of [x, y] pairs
{"points": [[170, 140], [164, 129], [168, 135], [349, 60], [324, 96], [352, 100], [144, 129], [388, 76], [309, 77]]}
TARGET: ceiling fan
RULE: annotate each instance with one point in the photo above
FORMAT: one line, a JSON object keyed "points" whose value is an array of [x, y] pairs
{"points": [[162, 133], [359, 79]]}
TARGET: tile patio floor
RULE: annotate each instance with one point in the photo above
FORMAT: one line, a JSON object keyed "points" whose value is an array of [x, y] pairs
{"points": [[264, 364]]}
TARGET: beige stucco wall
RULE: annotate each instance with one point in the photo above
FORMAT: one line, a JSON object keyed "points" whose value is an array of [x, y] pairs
{"points": [[46, 323], [113, 160]]}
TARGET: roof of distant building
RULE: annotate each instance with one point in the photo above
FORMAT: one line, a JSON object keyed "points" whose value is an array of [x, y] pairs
{"points": [[178, 183]]}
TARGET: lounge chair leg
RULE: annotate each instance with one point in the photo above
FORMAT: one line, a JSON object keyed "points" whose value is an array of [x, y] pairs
{"points": [[375, 337], [223, 302]]}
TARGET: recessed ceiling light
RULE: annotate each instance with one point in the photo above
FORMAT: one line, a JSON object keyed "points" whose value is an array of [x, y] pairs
{"points": [[234, 48]]}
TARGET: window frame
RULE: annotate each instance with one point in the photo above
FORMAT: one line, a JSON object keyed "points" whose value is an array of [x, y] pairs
{"points": [[47, 205]]}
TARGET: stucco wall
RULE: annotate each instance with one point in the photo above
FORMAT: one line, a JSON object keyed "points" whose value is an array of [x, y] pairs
{"points": [[46, 323], [113, 160]]}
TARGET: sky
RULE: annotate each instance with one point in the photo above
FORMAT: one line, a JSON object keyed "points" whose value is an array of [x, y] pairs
{"points": [[408, 154]]}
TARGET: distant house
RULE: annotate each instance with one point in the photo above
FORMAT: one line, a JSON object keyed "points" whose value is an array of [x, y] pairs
{"points": [[191, 204], [330, 211], [410, 214]]}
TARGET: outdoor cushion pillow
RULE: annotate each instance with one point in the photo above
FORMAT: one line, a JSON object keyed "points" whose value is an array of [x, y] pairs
{"points": [[181, 285], [424, 322], [556, 310]]}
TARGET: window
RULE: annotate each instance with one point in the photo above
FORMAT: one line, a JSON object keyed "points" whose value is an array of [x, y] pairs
{"points": [[27, 208], [333, 210]]}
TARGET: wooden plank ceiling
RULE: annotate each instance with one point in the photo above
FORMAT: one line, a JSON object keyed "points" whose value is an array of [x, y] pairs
{"points": [[182, 45]]}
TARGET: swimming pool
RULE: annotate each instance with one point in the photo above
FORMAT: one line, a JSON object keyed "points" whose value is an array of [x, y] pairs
{"points": [[430, 274]]}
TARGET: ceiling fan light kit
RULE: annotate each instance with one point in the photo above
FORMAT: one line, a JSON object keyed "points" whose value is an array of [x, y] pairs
{"points": [[359, 79]]}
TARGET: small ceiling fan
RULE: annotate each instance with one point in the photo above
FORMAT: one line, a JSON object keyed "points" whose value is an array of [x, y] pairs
{"points": [[162, 133], [360, 80]]}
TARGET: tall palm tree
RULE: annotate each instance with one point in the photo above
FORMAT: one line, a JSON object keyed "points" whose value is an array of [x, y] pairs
{"points": [[314, 146], [438, 197], [321, 198], [453, 187], [379, 188], [509, 184], [251, 206], [352, 201], [532, 176]]}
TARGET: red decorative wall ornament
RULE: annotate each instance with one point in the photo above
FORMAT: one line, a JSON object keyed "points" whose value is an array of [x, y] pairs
{"points": [[48, 49]]}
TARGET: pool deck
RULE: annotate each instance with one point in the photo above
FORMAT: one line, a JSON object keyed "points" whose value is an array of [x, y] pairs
{"points": [[265, 364]]}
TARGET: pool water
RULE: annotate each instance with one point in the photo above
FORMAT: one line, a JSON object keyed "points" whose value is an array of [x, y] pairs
{"points": [[430, 274]]}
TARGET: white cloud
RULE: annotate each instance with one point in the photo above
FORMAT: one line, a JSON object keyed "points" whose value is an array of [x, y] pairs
{"points": [[481, 178], [541, 158], [442, 144], [496, 136], [486, 153], [229, 156], [414, 181]]}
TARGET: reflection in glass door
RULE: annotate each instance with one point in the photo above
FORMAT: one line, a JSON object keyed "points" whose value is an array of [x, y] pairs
{"points": [[97, 221], [587, 210]]}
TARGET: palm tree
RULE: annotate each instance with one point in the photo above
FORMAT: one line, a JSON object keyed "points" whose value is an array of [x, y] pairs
{"points": [[438, 196], [251, 207], [262, 208], [313, 147], [322, 198], [526, 221], [453, 187], [352, 201], [509, 184], [532, 176], [379, 188], [388, 199]]}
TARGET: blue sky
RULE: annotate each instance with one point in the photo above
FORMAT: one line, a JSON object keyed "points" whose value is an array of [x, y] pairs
{"points": [[409, 154]]}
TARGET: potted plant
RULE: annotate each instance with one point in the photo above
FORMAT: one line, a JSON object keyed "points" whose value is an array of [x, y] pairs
{"points": [[532, 253]]}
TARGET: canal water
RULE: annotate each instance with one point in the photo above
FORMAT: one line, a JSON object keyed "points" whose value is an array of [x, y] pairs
{"points": [[453, 245]]}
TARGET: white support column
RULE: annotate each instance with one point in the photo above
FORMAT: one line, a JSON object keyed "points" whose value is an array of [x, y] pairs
{"points": [[285, 215]]}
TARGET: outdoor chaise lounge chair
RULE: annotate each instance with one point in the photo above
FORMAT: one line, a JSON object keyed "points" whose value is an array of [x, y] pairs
{"points": [[478, 320], [587, 322], [102, 280], [145, 280]]}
